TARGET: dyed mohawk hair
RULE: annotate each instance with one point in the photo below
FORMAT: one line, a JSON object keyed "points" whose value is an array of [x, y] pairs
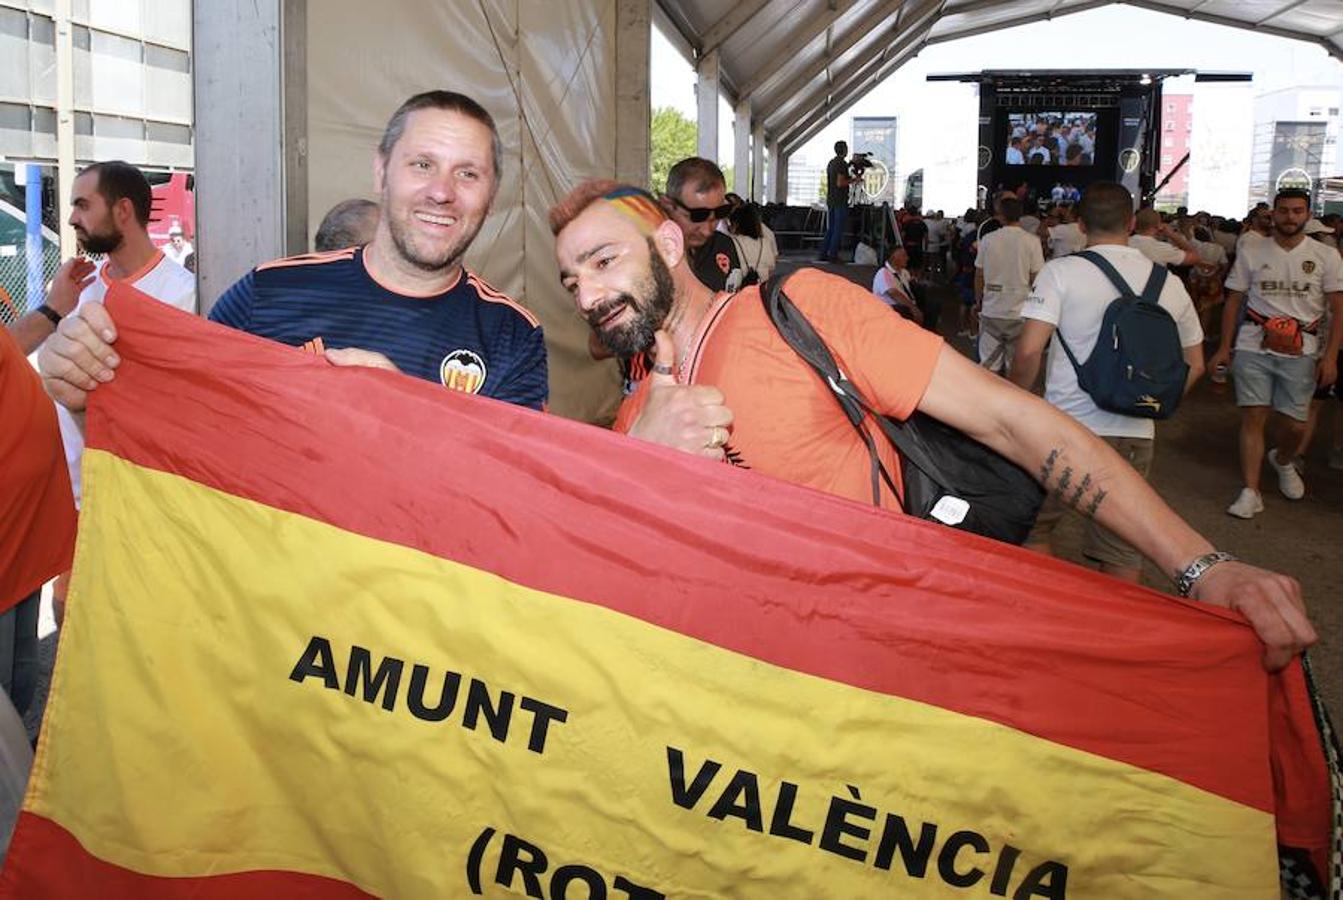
{"points": [[634, 203]]}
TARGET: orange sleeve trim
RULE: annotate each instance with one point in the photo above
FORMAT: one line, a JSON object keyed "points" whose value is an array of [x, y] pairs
{"points": [[309, 259], [492, 295]]}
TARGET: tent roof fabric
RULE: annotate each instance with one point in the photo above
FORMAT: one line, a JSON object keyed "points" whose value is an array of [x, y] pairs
{"points": [[802, 63]]}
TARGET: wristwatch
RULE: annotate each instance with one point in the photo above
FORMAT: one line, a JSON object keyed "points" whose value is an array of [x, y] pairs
{"points": [[51, 314], [1185, 581]]}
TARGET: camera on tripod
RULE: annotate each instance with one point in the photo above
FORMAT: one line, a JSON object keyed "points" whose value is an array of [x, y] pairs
{"points": [[860, 163]]}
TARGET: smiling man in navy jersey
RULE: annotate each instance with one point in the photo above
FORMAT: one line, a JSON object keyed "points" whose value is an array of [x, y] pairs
{"points": [[403, 301]]}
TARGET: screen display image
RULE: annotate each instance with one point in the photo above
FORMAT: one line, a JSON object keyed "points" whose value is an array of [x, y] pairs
{"points": [[1051, 139]]}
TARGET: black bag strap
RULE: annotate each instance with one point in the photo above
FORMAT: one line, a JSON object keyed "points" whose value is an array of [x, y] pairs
{"points": [[799, 334], [1151, 293]]}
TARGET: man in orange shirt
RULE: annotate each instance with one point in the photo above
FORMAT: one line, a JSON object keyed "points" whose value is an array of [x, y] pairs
{"points": [[726, 385], [37, 516]]}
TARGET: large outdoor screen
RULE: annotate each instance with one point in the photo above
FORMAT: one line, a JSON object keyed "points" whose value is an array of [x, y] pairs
{"points": [[1051, 139]]}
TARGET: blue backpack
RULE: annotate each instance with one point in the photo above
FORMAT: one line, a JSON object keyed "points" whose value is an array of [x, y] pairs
{"points": [[1137, 367]]}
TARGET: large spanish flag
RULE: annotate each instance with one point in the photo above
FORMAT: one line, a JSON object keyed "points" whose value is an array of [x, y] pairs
{"points": [[337, 632]]}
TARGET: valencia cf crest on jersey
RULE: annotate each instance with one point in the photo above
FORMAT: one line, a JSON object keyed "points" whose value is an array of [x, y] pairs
{"points": [[462, 370], [1308, 266]]}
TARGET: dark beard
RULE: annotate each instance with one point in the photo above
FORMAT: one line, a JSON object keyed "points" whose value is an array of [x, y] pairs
{"points": [[651, 307], [101, 243], [451, 256], [1285, 233]]}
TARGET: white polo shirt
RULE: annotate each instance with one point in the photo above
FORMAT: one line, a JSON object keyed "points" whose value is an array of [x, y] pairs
{"points": [[887, 278], [1009, 257], [1065, 239], [1280, 282], [162, 279], [1071, 294], [1159, 252]]}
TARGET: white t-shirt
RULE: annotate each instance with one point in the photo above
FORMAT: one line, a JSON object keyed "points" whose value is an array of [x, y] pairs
{"points": [[934, 239], [1065, 239], [1249, 237], [1282, 282], [1071, 294], [178, 256], [1159, 252], [1210, 253], [161, 279], [1009, 257], [760, 254], [887, 277]]}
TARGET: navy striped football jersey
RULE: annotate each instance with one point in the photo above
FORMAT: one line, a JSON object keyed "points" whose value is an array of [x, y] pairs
{"points": [[470, 338]]}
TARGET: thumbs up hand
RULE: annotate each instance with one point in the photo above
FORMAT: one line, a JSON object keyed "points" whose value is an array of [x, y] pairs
{"points": [[692, 418]]}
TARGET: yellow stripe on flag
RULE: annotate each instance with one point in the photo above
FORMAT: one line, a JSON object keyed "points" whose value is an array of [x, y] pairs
{"points": [[238, 731]]}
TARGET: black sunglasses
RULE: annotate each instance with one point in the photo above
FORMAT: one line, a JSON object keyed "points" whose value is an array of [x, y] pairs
{"points": [[702, 213]]}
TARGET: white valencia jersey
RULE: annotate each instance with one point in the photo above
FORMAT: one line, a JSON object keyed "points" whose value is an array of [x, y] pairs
{"points": [[160, 278], [1280, 282]]}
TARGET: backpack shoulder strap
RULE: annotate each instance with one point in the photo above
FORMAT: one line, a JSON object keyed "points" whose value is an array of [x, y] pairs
{"points": [[801, 336], [1151, 292]]}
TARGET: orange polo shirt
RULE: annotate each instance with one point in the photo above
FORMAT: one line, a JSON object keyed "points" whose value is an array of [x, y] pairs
{"points": [[786, 423], [37, 512]]}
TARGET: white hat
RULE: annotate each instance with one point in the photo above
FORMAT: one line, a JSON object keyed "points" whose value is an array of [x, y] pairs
{"points": [[176, 229], [1315, 226]]}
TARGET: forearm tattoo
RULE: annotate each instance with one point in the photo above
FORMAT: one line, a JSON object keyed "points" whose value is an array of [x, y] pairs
{"points": [[1083, 497]]}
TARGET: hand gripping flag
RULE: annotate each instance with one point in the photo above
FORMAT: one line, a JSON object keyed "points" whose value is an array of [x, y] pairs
{"points": [[337, 633]]}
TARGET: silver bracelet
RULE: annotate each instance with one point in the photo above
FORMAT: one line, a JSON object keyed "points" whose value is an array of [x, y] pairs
{"points": [[1185, 581]]}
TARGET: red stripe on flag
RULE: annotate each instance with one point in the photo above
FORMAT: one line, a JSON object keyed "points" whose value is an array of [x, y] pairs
{"points": [[47, 861], [781, 573]]}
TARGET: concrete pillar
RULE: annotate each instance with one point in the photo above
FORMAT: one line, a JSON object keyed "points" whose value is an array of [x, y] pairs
{"points": [[633, 46], [706, 101], [249, 79], [758, 164], [65, 124], [741, 148]]}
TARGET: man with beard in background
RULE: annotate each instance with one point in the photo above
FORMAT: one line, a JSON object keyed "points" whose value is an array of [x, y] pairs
{"points": [[109, 211]]}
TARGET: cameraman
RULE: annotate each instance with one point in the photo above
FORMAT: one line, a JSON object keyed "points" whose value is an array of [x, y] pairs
{"points": [[837, 183]]}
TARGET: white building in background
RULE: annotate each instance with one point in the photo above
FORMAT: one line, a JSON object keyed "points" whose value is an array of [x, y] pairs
{"points": [[1219, 147], [126, 78], [1295, 140], [806, 182]]}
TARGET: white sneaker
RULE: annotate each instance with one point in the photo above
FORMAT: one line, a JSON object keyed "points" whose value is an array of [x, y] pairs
{"points": [[1289, 479], [1247, 505]]}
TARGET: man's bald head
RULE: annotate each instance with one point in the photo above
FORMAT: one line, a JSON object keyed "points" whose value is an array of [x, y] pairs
{"points": [[350, 223]]}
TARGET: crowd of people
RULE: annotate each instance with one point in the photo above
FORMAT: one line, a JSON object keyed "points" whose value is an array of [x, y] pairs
{"points": [[1051, 139], [1235, 283], [670, 285]]}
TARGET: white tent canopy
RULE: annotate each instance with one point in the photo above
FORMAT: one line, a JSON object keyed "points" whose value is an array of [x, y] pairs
{"points": [[291, 95], [790, 67]]}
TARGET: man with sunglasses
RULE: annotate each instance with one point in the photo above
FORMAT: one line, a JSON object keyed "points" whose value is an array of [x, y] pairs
{"points": [[696, 200]]}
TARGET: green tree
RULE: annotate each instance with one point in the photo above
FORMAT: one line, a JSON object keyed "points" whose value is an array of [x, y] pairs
{"points": [[672, 137]]}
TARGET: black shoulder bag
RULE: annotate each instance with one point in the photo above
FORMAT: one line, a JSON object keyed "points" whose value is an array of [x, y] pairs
{"points": [[948, 477]]}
